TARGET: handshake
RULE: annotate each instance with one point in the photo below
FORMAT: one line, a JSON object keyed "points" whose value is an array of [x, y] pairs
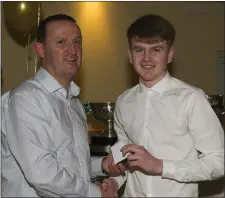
{"points": [[108, 187], [114, 164], [130, 157]]}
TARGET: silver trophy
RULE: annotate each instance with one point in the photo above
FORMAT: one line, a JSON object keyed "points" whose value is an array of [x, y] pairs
{"points": [[217, 103], [105, 112]]}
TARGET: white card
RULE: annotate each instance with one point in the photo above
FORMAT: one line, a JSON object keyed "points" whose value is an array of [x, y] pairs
{"points": [[117, 154]]}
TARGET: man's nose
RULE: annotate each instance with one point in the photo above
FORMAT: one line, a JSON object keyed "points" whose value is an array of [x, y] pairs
{"points": [[147, 55], [72, 48]]}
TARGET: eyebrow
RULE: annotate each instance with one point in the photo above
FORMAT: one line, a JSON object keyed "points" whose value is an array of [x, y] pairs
{"points": [[135, 47], [156, 45], [78, 37], [62, 37]]}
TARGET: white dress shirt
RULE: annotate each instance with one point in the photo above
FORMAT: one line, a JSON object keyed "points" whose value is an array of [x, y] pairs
{"points": [[175, 123], [45, 149]]}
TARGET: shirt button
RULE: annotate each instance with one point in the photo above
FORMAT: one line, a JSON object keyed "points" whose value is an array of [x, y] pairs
{"points": [[82, 164], [148, 105]]}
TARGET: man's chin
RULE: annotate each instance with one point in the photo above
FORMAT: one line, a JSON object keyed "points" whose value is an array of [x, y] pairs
{"points": [[148, 77], [70, 74], [73, 69]]}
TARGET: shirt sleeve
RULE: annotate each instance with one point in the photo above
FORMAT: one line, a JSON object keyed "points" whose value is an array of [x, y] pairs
{"points": [[28, 128], [121, 136], [96, 167], [208, 137]]}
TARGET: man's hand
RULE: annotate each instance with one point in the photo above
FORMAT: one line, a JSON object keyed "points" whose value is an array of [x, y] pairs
{"points": [[108, 188], [111, 168], [140, 159]]}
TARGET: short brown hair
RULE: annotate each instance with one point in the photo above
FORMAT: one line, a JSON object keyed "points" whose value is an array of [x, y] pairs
{"points": [[152, 27], [41, 30]]}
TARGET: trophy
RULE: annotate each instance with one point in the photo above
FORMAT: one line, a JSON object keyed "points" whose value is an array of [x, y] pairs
{"points": [[217, 103], [105, 113]]}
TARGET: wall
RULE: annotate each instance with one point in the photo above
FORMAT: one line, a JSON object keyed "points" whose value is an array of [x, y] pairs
{"points": [[105, 72]]}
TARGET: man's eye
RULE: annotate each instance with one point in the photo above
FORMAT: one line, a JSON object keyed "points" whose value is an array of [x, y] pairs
{"points": [[60, 41], [156, 50], [77, 41], [138, 50]]}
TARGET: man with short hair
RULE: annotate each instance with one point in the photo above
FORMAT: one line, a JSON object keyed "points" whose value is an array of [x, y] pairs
{"points": [[45, 149], [173, 137]]}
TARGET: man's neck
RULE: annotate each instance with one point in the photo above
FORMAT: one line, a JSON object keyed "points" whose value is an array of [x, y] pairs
{"points": [[150, 84], [64, 81], [65, 84]]}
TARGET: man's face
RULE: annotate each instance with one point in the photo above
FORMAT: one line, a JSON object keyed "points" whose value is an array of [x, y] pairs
{"points": [[62, 49], [150, 59]]}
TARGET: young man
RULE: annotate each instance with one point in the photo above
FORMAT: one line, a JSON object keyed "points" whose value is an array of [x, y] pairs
{"points": [[45, 149], [173, 137]]}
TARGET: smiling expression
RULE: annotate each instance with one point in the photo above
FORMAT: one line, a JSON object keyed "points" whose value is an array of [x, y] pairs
{"points": [[150, 59], [61, 50]]}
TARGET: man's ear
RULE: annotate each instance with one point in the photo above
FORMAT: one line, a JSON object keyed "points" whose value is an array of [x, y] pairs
{"points": [[129, 55], [171, 54], [39, 49]]}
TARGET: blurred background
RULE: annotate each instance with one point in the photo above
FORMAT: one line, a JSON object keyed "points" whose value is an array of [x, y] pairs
{"points": [[105, 71]]}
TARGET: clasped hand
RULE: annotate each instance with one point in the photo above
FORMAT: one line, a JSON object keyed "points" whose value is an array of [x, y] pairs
{"points": [[109, 187]]}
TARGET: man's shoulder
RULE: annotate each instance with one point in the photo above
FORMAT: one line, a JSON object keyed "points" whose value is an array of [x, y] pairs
{"points": [[129, 94], [29, 94], [29, 87], [184, 85], [185, 89]]}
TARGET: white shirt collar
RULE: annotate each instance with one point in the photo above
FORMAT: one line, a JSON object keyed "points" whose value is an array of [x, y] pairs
{"points": [[52, 85], [159, 87]]}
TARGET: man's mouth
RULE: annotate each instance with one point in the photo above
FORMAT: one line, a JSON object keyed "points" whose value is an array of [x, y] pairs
{"points": [[147, 66], [71, 60]]}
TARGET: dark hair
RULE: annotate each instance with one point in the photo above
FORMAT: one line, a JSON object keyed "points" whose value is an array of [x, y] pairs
{"points": [[152, 27], [41, 30]]}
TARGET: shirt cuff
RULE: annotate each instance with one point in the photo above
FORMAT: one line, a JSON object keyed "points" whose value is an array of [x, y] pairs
{"points": [[94, 190], [97, 169], [169, 169]]}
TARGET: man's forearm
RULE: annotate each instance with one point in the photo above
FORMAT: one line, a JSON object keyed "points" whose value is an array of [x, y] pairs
{"points": [[209, 167]]}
